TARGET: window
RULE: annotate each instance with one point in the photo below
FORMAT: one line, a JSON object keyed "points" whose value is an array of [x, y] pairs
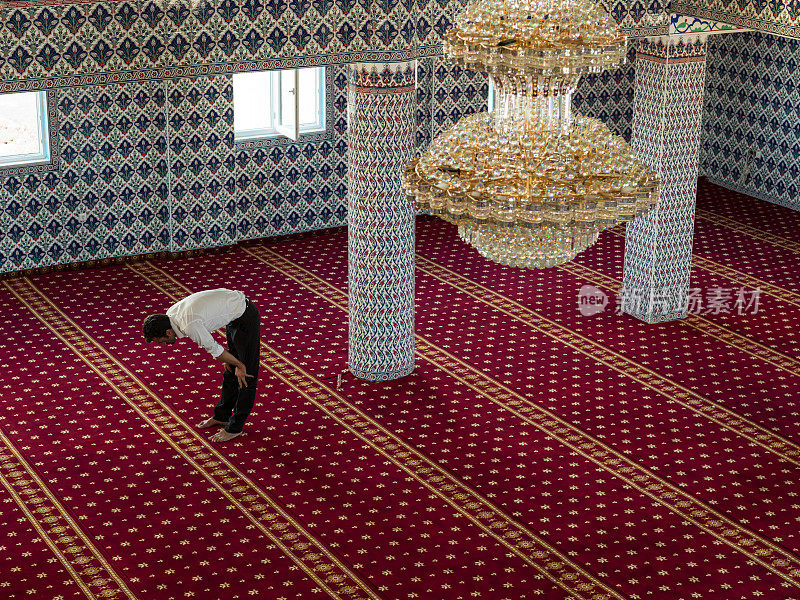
{"points": [[265, 103], [24, 137]]}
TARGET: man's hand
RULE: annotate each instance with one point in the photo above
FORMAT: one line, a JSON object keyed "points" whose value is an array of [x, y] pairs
{"points": [[235, 366], [242, 375]]}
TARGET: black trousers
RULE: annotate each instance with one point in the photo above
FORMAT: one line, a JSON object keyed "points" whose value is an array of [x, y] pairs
{"points": [[244, 342]]}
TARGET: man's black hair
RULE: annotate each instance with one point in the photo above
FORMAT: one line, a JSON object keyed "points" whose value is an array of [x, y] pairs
{"points": [[155, 326]]}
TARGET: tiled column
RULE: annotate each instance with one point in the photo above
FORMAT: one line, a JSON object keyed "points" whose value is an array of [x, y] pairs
{"points": [[667, 119], [380, 219]]}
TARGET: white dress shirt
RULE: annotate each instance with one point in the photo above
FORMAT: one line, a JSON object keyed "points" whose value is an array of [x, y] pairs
{"points": [[196, 316]]}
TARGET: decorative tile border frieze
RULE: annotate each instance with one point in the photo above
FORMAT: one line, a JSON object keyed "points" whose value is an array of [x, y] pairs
{"points": [[752, 14], [691, 48], [210, 69], [682, 24], [4, 4], [60, 44]]}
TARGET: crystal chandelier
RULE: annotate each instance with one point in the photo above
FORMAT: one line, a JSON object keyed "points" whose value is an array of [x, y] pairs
{"points": [[529, 184]]}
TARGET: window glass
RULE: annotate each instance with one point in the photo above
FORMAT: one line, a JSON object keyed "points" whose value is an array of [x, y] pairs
{"points": [[252, 96], [288, 124], [24, 134], [260, 107], [309, 95]]}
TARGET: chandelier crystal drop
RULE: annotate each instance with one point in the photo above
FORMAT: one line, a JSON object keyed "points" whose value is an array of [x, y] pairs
{"points": [[530, 184]]}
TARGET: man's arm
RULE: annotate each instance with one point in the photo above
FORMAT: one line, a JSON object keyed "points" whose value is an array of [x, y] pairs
{"points": [[238, 367], [202, 337]]}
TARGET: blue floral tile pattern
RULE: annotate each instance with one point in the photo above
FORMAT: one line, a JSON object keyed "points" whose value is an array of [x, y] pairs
{"points": [[751, 122], [108, 196]]}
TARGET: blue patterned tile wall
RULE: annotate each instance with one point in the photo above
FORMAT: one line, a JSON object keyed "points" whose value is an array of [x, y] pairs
{"points": [[61, 42], [166, 174], [145, 157], [153, 166], [285, 187], [752, 107], [125, 40], [455, 92], [608, 96], [108, 197], [445, 93], [424, 93], [202, 179]]}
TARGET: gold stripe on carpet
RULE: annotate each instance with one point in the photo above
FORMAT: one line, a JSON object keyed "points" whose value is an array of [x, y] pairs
{"points": [[675, 392], [741, 342], [492, 520], [307, 552], [756, 547], [716, 268], [748, 230], [84, 562], [768, 288]]}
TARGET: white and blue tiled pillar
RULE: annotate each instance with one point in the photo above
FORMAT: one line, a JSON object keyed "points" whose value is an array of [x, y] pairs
{"points": [[380, 220], [667, 120]]}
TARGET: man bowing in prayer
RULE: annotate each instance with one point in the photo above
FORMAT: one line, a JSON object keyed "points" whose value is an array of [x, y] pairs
{"points": [[196, 317]]}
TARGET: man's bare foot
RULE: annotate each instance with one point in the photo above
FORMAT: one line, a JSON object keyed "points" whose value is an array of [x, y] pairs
{"points": [[210, 423], [224, 436]]}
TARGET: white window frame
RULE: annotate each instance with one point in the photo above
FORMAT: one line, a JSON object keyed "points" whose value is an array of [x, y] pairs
{"points": [[319, 123], [284, 105], [33, 158]]}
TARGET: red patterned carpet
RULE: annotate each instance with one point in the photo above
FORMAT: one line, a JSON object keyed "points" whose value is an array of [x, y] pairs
{"points": [[534, 453]]}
